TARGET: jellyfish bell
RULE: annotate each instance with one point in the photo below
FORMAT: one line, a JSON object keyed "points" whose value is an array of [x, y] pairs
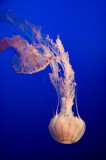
{"points": [[27, 58], [66, 129]]}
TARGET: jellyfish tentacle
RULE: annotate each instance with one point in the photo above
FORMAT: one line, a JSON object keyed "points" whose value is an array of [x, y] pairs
{"points": [[32, 31], [76, 105]]}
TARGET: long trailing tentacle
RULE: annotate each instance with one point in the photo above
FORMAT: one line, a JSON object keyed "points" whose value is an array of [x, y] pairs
{"points": [[29, 29]]}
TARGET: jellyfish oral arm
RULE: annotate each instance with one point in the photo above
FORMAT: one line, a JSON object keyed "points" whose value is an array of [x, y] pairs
{"points": [[65, 85], [66, 106]]}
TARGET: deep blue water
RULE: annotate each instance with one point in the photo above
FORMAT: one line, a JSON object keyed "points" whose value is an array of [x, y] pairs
{"points": [[27, 101]]}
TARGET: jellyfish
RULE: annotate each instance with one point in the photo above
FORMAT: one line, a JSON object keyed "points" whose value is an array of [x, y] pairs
{"points": [[28, 57], [34, 55], [64, 127]]}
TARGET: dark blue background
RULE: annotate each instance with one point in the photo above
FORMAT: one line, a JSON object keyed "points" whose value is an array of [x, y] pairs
{"points": [[27, 101]]}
